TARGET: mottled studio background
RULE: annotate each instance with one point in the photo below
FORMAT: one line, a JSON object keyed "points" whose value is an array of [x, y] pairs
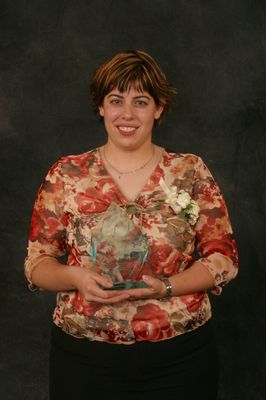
{"points": [[214, 52]]}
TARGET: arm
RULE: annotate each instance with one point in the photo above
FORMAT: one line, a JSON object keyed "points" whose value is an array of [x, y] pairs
{"points": [[218, 262], [50, 275], [47, 242], [215, 243], [194, 279]]}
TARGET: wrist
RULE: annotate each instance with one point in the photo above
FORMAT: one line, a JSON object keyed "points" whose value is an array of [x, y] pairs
{"points": [[74, 275], [168, 288]]}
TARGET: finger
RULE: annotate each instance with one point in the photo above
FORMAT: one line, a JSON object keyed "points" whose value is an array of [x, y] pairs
{"points": [[119, 277], [104, 281], [151, 281], [108, 294], [114, 299], [138, 293]]}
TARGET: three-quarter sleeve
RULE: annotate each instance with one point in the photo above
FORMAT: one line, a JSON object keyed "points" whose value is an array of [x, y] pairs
{"points": [[215, 243], [47, 229]]}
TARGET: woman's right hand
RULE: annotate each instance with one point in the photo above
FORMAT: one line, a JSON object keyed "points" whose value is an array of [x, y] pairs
{"points": [[89, 283], [50, 275]]}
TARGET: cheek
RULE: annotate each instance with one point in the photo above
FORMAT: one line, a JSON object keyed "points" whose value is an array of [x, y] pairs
{"points": [[148, 119], [144, 116], [111, 115]]}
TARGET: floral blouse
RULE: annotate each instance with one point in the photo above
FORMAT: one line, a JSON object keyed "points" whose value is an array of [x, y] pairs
{"points": [[73, 199]]}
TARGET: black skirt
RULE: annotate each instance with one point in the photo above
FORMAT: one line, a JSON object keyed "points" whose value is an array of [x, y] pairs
{"points": [[183, 367]]}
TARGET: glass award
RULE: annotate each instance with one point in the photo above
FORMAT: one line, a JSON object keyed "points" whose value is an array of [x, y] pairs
{"points": [[119, 249]]}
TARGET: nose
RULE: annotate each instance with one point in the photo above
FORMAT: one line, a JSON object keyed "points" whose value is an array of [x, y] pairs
{"points": [[127, 112]]}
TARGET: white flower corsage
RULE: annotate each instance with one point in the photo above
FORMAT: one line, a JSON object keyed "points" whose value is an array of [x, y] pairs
{"points": [[181, 202]]}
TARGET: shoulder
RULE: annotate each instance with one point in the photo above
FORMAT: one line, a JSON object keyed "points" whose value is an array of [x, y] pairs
{"points": [[189, 159], [79, 159], [76, 164]]}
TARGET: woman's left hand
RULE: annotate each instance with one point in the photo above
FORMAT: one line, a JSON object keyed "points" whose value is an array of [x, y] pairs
{"points": [[156, 289]]}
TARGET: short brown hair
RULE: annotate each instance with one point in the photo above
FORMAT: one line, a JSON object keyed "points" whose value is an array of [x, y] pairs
{"points": [[132, 68]]}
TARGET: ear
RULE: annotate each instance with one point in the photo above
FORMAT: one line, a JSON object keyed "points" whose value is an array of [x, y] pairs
{"points": [[158, 112], [101, 111]]}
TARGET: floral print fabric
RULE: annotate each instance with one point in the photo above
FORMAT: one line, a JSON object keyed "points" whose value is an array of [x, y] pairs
{"points": [[72, 200]]}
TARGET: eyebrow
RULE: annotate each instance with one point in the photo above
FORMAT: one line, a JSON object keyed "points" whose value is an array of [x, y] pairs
{"points": [[135, 97]]}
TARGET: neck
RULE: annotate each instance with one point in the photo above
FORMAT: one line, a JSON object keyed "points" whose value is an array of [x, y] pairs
{"points": [[127, 159]]}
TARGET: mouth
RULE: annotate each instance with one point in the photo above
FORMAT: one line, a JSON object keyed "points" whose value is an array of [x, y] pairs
{"points": [[127, 130]]}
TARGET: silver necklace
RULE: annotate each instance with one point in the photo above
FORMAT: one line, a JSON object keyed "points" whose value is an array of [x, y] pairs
{"points": [[121, 173]]}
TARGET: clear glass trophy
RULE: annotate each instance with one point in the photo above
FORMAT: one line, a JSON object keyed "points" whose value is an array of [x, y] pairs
{"points": [[119, 249]]}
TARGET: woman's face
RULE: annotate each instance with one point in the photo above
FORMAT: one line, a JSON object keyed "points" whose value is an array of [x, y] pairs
{"points": [[129, 117]]}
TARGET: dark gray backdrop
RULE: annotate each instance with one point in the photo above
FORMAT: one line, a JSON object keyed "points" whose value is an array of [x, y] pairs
{"points": [[214, 52]]}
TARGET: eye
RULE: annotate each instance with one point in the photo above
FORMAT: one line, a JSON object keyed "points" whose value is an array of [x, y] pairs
{"points": [[141, 103], [116, 101]]}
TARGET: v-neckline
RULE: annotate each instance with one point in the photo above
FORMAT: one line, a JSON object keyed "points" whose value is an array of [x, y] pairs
{"points": [[118, 188]]}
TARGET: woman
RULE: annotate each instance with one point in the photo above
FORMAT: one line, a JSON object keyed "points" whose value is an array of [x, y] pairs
{"points": [[154, 339]]}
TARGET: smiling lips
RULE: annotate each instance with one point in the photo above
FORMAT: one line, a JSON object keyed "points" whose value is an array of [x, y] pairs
{"points": [[127, 130]]}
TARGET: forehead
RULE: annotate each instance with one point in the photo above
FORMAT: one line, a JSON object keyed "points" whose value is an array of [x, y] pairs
{"points": [[130, 92]]}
